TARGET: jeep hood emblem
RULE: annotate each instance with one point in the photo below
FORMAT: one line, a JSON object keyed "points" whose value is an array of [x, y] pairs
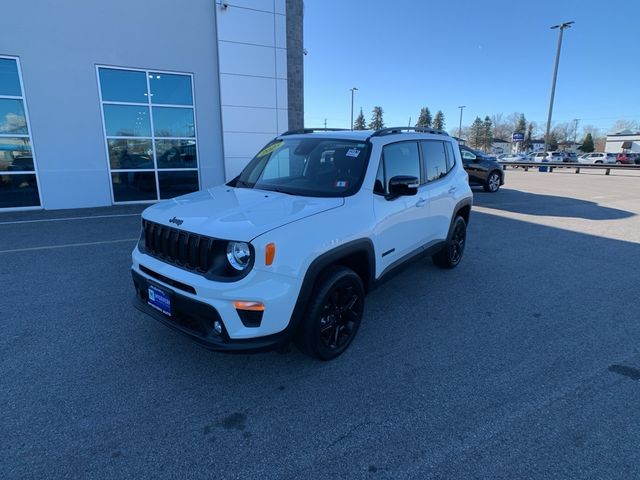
{"points": [[176, 220]]}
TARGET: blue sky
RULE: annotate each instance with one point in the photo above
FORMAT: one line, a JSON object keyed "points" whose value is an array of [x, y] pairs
{"points": [[492, 56]]}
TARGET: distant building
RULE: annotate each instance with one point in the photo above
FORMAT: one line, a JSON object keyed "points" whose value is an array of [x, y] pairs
{"points": [[501, 146], [118, 102], [624, 141]]}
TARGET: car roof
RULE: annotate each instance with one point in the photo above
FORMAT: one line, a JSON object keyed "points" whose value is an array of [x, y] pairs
{"points": [[364, 135], [334, 134]]}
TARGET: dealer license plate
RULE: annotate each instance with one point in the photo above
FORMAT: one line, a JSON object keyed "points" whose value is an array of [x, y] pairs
{"points": [[159, 299]]}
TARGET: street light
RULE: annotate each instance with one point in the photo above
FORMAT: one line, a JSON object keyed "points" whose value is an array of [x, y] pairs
{"points": [[561, 26], [461, 107], [352, 91]]}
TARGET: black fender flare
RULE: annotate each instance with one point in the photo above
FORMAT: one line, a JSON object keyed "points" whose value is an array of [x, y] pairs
{"points": [[319, 264], [465, 202]]}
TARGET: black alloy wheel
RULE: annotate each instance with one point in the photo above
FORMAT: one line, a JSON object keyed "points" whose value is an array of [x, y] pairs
{"points": [[334, 315], [451, 255]]}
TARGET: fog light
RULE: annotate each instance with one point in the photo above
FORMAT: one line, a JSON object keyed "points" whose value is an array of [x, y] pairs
{"points": [[217, 326]]}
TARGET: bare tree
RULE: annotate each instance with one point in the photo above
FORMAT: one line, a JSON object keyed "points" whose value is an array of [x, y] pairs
{"points": [[621, 125]]}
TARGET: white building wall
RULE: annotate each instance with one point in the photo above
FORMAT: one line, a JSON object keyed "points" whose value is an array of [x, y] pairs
{"points": [[60, 43], [615, 142], [253, 76]]}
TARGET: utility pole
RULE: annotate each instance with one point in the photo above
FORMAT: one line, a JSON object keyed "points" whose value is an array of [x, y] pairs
{"points": [[352, 91], [325, 123], [561, 26], [461, 107], [575, 131]]}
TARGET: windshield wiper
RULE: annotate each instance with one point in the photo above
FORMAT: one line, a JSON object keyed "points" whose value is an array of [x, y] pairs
{"points": [[276, 189]]}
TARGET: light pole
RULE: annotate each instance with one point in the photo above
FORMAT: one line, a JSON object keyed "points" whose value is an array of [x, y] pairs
{"points": [[352, 91], [461, 107], [561, 26]]}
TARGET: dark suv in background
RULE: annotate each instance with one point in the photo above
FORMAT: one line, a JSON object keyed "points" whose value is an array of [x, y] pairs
{"points": [[482, 169]]}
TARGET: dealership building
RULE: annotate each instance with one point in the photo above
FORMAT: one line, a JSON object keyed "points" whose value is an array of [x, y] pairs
{"points": [[118, 102]]}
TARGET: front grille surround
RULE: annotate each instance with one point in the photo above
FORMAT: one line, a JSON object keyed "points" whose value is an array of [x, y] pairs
{"points": [[190, 251]]}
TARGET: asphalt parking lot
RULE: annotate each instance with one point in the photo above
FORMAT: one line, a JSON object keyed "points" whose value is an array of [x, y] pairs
{"points": [[521, 363]]}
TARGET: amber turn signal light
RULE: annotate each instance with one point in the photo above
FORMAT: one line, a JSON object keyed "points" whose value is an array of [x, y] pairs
{"points": [[251, 306], [269, 253]]}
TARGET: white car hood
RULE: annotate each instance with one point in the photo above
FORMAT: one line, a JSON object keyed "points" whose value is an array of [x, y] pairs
{"points": [[236, 213]]}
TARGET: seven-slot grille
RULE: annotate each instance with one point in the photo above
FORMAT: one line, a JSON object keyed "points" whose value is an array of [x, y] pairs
{"points": [[184, 249]]}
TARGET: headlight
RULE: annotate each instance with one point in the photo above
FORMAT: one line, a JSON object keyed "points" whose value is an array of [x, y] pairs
{"points": [[239, 255]]}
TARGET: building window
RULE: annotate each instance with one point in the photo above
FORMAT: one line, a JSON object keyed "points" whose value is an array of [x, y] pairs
{"points": [[150, 130], [18, 176]]}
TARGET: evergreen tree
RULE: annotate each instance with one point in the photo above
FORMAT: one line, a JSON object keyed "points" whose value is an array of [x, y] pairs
{"points": [[376, 122], [424, 120], [527, 144], [438, 121], [487, 127], [521, 126], [476, 133], [360, 123], [587, 144]]}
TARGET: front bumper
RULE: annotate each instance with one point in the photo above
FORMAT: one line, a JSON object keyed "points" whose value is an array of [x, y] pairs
{"points": [[195, 319]]}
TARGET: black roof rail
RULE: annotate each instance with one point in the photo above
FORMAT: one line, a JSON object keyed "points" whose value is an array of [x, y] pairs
{"points": [[392, 130], [312, 130]]}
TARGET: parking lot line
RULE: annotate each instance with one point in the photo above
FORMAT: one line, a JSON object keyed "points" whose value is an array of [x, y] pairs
{"points": [[70, 218], [84, 244]]}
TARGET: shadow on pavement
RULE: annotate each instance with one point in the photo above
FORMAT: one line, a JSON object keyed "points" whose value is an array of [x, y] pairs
{"points": [[546, 205]]}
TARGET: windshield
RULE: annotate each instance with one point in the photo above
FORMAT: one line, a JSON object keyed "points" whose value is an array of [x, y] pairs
{"points": [[314, 167]]}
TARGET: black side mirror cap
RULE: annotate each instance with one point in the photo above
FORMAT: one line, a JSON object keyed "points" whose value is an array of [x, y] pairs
{"points": [[403, 185]]}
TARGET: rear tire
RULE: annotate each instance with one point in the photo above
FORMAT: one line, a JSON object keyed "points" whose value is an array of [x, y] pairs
{"points": [[451, 255], [492, 185], [333, 317]]}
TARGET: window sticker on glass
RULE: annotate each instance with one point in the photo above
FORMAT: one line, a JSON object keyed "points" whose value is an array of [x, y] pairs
{"points": [[269, 149], [342, 184], [353, 152]]}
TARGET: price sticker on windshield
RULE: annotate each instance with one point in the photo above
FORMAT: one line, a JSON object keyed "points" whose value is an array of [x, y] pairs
{"points": [[353, 152], [269, 149]]}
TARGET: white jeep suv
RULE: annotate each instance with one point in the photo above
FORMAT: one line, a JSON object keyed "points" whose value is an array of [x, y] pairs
{"points": [[288, 249]]}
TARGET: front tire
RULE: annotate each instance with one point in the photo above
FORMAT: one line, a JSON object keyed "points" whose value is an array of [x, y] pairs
{"points": [[333, 317], [451, 255], [492, 185]]}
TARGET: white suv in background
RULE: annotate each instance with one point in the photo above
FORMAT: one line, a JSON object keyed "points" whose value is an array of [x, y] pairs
{"points": [[597, 157], [288, 249]]}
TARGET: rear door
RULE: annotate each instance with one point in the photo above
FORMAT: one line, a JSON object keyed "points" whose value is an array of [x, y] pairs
{"points": [[439, 159]]}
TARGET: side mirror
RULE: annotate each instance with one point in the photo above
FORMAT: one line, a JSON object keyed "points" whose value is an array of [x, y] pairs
{"points": [[403, 185]]}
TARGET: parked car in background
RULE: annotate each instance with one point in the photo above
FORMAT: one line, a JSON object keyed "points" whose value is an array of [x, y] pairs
{"points": [[598, 157], [512, 157], [628, 158], [482, 169], [536, 157]]}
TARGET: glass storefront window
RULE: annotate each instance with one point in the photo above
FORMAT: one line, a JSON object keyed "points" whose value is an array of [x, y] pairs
{"points": [[173, 184], [144, 141], [130, 154], [19, 190], [127, 121], [173, 122], [176, 154], [18, 175], [170, 89], [12, 117], [123, 86], [9, 78]]}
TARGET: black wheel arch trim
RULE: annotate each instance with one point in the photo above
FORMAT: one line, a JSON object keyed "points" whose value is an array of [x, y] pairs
{"points": [[319, 264]]}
